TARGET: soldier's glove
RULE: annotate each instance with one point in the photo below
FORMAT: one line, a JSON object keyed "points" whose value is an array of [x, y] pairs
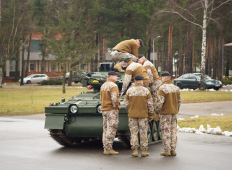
{"points": [[150, 118]]}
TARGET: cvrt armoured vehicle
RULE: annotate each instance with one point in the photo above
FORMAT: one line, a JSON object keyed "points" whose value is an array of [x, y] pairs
{"points": [[79, 119]]}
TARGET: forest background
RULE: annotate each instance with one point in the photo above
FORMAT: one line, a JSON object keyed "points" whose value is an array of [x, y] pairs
{"points": [[188, 34]]}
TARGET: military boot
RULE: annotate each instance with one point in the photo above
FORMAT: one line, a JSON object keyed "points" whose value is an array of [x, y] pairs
{"points": [[110, 152], [173, 153], [165, 154], [135, 153], [144, 154]]}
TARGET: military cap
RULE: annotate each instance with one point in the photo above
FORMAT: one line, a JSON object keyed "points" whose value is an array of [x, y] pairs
{"points": [[112, 73], [165, 74], [141, 42], [140, 56], [138, 77], [126, 59]]}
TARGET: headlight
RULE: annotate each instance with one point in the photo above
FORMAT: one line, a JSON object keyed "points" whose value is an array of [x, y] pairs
{"points": [[73, 109], [99, 109]]}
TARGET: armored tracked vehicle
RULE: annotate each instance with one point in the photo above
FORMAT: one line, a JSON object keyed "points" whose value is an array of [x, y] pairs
{"points": [[79, 119]]}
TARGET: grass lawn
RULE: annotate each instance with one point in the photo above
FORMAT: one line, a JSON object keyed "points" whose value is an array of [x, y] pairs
{"points": [[205, 96], [225, 122], [32, 99]]}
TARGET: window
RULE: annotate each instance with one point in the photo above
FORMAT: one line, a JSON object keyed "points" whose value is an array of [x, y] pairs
{"points": [[32, 66], [43, 67], [192, 77], [186, 76], [35, 46], [12, 65], [53, 67]]}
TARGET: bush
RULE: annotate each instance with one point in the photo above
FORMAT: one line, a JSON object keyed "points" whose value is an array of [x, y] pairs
{"points": [[51, 82], [227, 80]]}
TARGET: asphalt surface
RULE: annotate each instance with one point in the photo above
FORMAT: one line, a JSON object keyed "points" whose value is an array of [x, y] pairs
{"points": [[26, 145], [205, 109]]}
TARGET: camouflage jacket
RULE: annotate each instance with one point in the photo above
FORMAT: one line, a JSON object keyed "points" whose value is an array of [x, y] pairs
{"points": [[128, 46], [151, 71], [139, 102], [168, 99], [132, 70], [109, 96]]}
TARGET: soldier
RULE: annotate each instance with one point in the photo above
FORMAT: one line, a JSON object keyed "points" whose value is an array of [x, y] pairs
{"points": [[139, 105], [168, 104], [155, 81], [110, 105], [132, 70], [127, 48], [119, 67]]}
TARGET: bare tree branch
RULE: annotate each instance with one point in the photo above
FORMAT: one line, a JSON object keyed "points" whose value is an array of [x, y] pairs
{"points": [[185, 10], [175, 12], [221, 4]]}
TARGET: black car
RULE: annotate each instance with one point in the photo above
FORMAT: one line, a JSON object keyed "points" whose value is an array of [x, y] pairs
{"points": [[192, 81]]}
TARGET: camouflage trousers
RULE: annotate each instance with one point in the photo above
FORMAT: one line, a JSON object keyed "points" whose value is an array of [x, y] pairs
{"points": [[110, 125], [154, 91], [168, 124], [138, 125], [119, 56]]}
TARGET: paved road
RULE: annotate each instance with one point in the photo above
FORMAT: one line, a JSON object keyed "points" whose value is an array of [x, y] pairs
{"points": [[25, 145], [205, 109]]}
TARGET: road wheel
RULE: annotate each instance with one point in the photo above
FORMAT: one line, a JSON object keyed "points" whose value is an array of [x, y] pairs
{"points": [[28, 82]]}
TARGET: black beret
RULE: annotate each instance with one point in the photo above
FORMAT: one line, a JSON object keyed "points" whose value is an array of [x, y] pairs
{"points": [[165, 74], [112, 73], [140, 56], [138, 77], [141, 42]]}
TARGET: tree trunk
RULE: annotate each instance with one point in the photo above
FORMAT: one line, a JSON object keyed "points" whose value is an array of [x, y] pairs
{"points": [[28, 55], [63, 80], [157, 60], [207, 57], [210, 55], [70, 78], [188, 61], [1, 75], [180, 55], [220, 44], [22, 69], [170, 56], [215, 58], [203, 47], [163, 59], [16, 66]]}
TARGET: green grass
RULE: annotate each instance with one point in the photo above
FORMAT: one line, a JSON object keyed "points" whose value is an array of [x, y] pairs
{"points": [[31, 100], [225, 122], [205, 96]]}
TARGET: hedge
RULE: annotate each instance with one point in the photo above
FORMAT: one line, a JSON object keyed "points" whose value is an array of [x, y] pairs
{"points": [[51, 82], [227, 80]]}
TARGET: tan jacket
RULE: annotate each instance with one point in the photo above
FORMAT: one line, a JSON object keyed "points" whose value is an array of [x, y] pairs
{"points": [[133, 69], [151, 71], [128, 46], [109, 96], [168, 99], [138, 101]]}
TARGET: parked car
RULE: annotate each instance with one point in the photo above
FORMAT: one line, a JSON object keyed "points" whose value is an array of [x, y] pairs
{"points": [[192, 81], [76, 77], [34, 78]]}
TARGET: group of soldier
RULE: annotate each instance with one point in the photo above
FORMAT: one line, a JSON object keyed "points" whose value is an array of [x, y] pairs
{"points": [[148, 98]]}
